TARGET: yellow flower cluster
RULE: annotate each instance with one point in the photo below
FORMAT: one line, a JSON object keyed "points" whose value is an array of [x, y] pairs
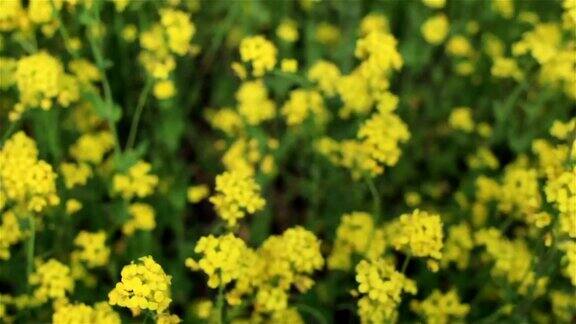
{"points": [[356, 235], [286, 260], [269, 273], [100, 313], [144, 286], [26, 181], [561, 191], [327, 76], [247, 155], [439, 308], [512, 260], [137, 182], [458, 246], [197, 193], [92, 147], [304, 103], [10, 233], [41, 80], [92, 248], [381, 135], [52, 280], [170, 36], [222, 258], [569, 247], [260, 53], [253, 102], [287, 31], [237, 194], [419, 234], [142, 217], [435, 29], [461, 119], [75, 174], [381, 288]]}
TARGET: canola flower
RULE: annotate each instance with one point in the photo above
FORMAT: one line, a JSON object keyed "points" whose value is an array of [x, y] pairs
{"points": [[260, 53], [137, 182], [51, 280], [144, 286], [237, 194]]}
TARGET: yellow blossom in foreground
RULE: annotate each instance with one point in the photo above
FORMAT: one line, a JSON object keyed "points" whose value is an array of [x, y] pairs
{"points": [[39, 79], [253, 102], [289, 65], [326, 75], [144, 286], [237, 194], [137, 182], [92, 147], [441, 308], [301, 105], [260, 52], [164, 89], [435, 29], [178, 29], [52, 280]]}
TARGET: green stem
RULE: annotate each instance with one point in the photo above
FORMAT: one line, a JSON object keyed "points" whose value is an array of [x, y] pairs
{"points": [[30, 245], [220, 304], [99, 58], [405, 264], [137, 114], [376, 200]]}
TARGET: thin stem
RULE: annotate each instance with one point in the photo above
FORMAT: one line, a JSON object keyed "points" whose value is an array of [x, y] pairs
{"points": [[98, 57], [376, 209], [137, 113], [220, 304], [30, 245], [405, 263]]}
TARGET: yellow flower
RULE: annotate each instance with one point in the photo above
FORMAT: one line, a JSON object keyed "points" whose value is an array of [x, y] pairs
{"points": [[458, 246], [504, 7], [39, 79], [142, 217], [287, 31], [52, 280], [178, 29], [92, 147], [166, 318], [304, 103], [75, 174], [253, 102], [144, 286], [10, 233], [222, 258], [137, 182], [374, 22], [441, 308], [237, 194], [435, 29], [26, 180], [197, 193], [289, 65], [164, 89], [100, 313], [260, 53], [419, 234], [506, 68], [459, 45], [381, 287], [461, 119], [73, 206], [327, 34], [92, 248], [326, 75]]}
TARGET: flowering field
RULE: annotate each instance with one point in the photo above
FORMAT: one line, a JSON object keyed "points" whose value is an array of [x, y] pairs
{"points": [[259, 161]]}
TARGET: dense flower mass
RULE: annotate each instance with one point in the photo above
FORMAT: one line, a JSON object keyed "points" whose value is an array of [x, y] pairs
{"points": [[287, 162], [144, 286], [237, 194], [26, 180]]}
